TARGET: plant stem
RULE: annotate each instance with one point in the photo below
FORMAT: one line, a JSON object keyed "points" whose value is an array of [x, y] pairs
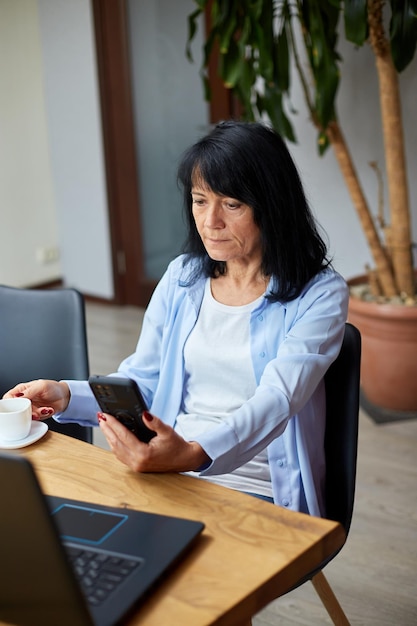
{"points": [[344, 159], [400, 227]]}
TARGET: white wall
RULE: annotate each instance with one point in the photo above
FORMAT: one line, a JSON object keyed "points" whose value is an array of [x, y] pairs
{"points": [[52, 184], [28, 219], [75, 140], [52, 190]]}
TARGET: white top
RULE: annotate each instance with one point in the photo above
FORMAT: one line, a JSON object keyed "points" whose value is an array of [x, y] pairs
{"points": [[219, 378]]}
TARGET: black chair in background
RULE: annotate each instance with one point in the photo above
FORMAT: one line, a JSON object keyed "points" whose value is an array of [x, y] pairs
{"points": [[43, 335], [341, 444]]}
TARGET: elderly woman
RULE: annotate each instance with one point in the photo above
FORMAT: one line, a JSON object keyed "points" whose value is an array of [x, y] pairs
{"points": [[237, 336]]}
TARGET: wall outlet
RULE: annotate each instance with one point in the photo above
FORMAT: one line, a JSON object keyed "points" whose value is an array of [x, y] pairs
{"points": [[47, 255]]}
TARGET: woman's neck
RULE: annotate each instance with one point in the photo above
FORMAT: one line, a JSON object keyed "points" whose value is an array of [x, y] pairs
{"points": [[239, 286]]}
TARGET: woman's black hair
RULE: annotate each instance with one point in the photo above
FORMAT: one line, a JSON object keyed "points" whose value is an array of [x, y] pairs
{"points": [[250, 162]]}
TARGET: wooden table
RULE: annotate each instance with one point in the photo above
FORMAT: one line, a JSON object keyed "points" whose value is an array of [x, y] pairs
{"points": [[250, 552]]}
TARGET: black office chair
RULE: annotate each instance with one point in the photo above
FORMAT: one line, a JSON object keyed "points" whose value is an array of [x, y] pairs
{"points": [[43, 335], [341, 444]]}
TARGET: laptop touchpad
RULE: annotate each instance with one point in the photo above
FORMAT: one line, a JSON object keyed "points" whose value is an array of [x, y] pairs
{"points": [[85, 524]]}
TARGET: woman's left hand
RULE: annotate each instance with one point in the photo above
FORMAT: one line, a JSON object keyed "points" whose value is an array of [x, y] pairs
{"points": [[167, 452]]}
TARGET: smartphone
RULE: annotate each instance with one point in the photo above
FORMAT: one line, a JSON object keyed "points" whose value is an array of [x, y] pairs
{"points": [[122, 398]]}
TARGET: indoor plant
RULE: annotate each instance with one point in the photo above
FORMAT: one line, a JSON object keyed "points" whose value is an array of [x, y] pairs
{"points": [[259, 43]]}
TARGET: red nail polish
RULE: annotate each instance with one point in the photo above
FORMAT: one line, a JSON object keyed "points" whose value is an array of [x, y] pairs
{"points": [[18, 395], [148, 416], [46, 412], [101, 417]]}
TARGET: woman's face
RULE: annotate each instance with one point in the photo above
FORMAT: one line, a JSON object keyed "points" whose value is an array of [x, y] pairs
{"points": [[226, 226]]}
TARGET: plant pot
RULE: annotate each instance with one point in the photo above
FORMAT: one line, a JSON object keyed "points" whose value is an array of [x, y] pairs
{"points": [[389, 354]]}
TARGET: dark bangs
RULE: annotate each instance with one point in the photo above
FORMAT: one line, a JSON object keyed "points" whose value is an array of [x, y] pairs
{"points": [[219, 161]]}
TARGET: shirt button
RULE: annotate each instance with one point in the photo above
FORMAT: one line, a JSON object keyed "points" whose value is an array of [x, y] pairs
{"points": [[260, 318], [262, 354], [285, 502], [280, 463]]}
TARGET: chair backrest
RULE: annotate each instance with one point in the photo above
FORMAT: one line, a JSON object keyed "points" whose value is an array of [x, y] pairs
{"points": [[341, 437], [342, 420], [43, 335]]}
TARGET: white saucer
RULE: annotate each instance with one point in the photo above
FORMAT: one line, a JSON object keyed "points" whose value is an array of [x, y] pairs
{"points": [[37, 430]]}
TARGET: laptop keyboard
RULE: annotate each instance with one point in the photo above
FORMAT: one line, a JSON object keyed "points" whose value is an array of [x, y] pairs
{"points": [[100, 573]]}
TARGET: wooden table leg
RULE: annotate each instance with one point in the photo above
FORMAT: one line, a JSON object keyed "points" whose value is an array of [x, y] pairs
{"points": [[329, 600]]}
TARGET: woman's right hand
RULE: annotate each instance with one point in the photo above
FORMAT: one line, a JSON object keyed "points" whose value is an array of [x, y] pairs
{"points": [[47, 396]]}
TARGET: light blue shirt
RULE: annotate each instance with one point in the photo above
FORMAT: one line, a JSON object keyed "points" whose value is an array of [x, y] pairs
{"points": [[292, 345]]}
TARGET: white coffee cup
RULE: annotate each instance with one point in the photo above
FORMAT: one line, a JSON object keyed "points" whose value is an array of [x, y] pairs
{"points": [[15, 418]]}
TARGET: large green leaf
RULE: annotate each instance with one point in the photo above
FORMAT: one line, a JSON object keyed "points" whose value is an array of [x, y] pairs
{"points": [[271, 103], [356, 23], [231, 65], [208, 47], [228, 30], [321, 21], [244, 88], [192, 29], [282, 62], [403, 32], [265, 38], [322, 142]]}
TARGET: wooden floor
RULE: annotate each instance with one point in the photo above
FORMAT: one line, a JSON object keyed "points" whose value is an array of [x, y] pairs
{"points": [[375, 575]]}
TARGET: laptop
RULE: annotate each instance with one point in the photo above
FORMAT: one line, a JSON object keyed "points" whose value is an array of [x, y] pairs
{"points": [[73, 563]]}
